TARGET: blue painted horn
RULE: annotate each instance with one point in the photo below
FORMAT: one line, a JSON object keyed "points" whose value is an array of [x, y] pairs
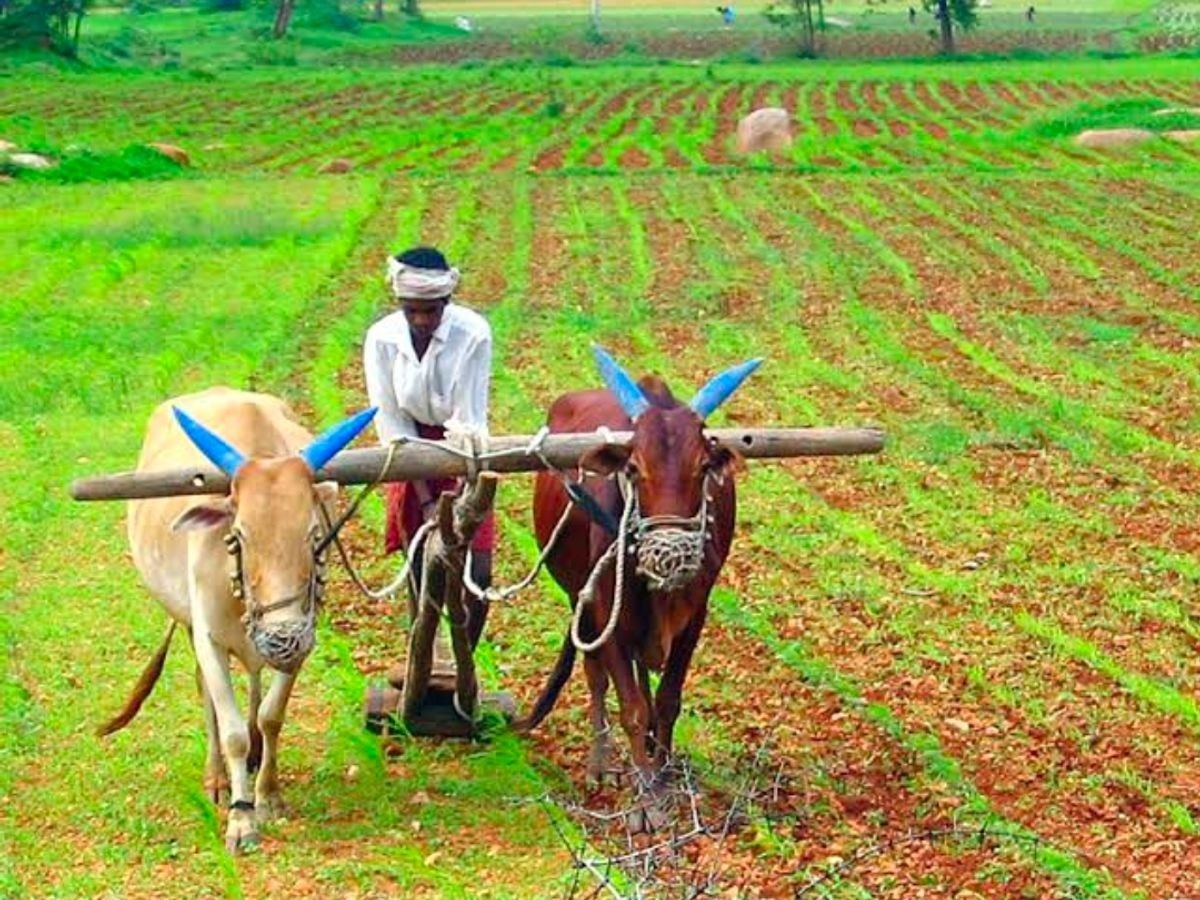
{"points": [[721, 387], [219, 453], [327, 446], [617, 380]]}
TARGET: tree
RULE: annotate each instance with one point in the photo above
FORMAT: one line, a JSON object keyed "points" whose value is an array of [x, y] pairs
{"points": [[801, 17], [951, 13], [48, 24], [283, 18]]}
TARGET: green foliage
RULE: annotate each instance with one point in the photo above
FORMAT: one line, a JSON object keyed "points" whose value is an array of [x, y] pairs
{"points": [[1119, 112], [43, 24], [78, 165], [327, 14], [800, 18], [139, 46]]}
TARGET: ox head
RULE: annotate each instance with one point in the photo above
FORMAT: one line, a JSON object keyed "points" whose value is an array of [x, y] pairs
{"points": [[274, 528], [671, 466]]}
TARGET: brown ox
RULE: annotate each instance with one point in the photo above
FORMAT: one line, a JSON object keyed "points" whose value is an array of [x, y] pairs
{"points": [[243, 573], [673, 498]]}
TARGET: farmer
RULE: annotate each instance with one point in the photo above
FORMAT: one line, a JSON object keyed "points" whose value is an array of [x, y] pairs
{"points": [[428, 366]]}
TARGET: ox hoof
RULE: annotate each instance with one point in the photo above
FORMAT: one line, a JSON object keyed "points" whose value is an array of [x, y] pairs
{"points": [[649, 816], [598, 765], [270, 808], [241, 835]]}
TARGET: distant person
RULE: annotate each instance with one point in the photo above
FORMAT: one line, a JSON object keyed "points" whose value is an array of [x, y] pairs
{"points": [[462, 23], [912, 15], [726, 15], [1029, 14]]}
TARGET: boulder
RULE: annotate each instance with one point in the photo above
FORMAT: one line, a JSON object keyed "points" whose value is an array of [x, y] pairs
{"points": [[173, 153], [336, 167], [769, 128], [31, 160], [1108, 138]]}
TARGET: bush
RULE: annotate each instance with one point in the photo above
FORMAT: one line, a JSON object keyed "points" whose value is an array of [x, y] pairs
{"points": [[81, 165], [327, 14], [43, 25], [1123, 112]]}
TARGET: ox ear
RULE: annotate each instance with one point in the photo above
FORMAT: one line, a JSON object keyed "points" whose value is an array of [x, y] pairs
{"points": [[723, 459], [327, 446], [617, 380], [605, 459], [204, 516], [221, 454], [721, 388], [327, 494]]}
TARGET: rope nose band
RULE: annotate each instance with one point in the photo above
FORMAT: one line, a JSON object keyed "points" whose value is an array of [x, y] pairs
{"points": [[670, 549], [284, 645]]}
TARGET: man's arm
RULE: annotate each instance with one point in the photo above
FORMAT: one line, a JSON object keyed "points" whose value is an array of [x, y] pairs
{"points": [[391, 421], [475, 376]]}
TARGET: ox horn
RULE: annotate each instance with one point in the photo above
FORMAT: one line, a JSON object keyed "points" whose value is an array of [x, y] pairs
{"points": [[326, 447], [219, 453], [617, 380], [721, 387]]}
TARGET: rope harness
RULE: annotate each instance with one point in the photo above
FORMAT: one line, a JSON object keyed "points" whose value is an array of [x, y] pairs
{"points": [[669, 550], [283, 645]]}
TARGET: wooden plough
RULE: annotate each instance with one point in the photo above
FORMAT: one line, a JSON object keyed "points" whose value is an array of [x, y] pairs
{"points": [[445, 702]]}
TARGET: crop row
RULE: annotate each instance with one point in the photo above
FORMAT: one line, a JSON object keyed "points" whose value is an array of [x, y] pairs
{"points": [[552, 122]]}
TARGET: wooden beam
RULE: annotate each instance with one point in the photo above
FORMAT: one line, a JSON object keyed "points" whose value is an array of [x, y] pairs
{"points": [[422, 461]]}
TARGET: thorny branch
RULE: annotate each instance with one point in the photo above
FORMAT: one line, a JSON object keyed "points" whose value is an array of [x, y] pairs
{"points": [[605, 851]]}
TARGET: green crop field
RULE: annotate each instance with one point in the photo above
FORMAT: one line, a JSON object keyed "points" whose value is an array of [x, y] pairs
{"points": [[991, 625]]}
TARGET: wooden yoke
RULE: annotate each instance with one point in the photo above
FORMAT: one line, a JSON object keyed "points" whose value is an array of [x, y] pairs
{"points": [[444, 558]]}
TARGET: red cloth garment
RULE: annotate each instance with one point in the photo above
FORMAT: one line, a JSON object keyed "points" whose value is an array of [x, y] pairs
{"points": [[404, 506]]}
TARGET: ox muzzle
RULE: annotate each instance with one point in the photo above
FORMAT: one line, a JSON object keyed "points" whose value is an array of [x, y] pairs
{"points": [[283, 645], [670, 549]]}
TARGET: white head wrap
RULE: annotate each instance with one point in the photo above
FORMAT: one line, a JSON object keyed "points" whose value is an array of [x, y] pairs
{"points": [[412, 283]]}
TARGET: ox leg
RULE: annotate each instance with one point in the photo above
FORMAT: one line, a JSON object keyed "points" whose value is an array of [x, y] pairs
{"points": [[254, 760], [670, 688], [216, 781], [647, 814], [597, 680], [643, 677], [241, 833], [268, 800]]}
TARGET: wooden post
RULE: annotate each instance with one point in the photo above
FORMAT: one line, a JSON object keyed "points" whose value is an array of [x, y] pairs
{"points": [[445, 556]]}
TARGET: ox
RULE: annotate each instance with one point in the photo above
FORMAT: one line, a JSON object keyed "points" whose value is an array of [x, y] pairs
{"points": [[243, 574], [670, 509]]}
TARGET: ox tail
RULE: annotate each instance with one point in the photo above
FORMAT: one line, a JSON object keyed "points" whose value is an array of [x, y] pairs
{"points": [[141, 690], [554, 685]]}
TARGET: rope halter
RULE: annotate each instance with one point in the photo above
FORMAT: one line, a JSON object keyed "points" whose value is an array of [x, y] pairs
{"points": [[670, 549], [284, 645]]}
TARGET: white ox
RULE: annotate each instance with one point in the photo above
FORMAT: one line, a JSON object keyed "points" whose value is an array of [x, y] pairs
{"points": [[243, 573]]}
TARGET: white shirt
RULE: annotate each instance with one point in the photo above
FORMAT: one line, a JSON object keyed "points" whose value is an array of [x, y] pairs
{"points": [[449, 382]]}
